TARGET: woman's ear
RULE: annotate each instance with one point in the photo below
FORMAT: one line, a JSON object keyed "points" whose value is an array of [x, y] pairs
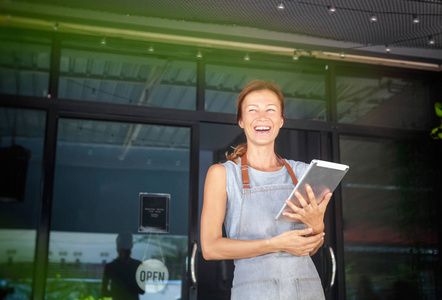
{"points": [[241, 123]]}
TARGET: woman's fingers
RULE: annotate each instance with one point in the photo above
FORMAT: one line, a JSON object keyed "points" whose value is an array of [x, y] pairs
{"points": [[311, 195], [301, 199], [326, 200], [308, 213], [293, 215], [298, 213], [300, 242], [304, 231], [294, 207]]}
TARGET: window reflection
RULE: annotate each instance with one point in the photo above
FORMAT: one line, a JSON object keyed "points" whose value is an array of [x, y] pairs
{"points": [[101, 167], [136, 80], [390, 220], [304, 92], [383, 101], [20, 197], [24, 66]]}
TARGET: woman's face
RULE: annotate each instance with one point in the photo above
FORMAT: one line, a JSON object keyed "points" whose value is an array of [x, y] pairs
{"points": [[261, 117]]}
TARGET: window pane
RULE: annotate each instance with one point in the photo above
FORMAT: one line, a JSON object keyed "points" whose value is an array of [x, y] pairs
{"points": [[21, 152], [390, 213], [101, 167], [24, 66], [137, 80], [304, 92], [383, 101]]}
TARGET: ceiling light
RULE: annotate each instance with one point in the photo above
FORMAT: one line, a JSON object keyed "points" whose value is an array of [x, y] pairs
{"points": [[431, 40], [415, 19], [151, 49], [281, 6], [295, 56], [103, 41], [342, 54], [373, 18], [387, 48], [199, 55], [55, 26], [247, 57], [331, 9]]}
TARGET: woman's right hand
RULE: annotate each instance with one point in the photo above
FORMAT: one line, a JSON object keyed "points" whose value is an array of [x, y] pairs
{"points": [[298, 242]]}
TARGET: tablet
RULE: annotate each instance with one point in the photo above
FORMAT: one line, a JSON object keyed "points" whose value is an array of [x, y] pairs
{"points": [[322, 176]]}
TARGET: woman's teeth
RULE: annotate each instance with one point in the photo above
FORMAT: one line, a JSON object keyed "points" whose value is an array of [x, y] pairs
{"points": [[262, 128]]}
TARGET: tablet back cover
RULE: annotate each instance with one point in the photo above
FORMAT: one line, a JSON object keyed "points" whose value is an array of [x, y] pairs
{"points": [[322, 176]]}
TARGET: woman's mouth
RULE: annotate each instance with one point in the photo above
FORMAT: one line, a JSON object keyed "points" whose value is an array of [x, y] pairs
{"points": [[262, 128]]}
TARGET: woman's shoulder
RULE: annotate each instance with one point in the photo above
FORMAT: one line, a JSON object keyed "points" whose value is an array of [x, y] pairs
{"points": [[299, 167], [217, 169], [215, 176], [295, 163], [230, 165]]}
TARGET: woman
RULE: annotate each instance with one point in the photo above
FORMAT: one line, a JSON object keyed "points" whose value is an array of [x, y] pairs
{"points": [[272, 259]]}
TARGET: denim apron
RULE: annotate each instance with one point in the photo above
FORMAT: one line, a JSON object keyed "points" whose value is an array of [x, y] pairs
{"points": [[278, 276]]}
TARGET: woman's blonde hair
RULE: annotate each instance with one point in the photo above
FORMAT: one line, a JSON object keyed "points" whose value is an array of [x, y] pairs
{"points": [[252, 86]]}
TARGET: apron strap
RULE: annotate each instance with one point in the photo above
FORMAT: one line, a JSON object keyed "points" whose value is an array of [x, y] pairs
{"points": [[292, 174], [245, 172]]}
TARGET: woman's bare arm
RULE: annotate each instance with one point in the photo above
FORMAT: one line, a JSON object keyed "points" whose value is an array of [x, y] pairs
{"points": [[215, 246]]}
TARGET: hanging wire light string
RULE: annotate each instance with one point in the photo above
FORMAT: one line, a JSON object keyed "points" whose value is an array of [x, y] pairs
{"points": [[429, 38], [375, 15], [377, 12]]}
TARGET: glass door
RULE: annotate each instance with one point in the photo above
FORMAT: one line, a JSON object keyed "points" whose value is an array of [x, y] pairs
{"points": [[101, 169]]}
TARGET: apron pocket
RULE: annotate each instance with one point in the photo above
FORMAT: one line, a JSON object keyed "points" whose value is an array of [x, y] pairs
{"points": [[257, 289], [309, 289]]}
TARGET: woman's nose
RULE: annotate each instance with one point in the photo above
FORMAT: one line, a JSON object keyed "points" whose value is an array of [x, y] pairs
{"points": [[262, 115]]}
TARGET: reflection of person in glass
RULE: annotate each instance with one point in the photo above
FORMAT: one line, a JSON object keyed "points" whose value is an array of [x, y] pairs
{"points": [[272, 259], [120, 273]]}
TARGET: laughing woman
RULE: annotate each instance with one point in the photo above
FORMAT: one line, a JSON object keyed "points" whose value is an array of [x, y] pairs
{"points": [[272, 259]]}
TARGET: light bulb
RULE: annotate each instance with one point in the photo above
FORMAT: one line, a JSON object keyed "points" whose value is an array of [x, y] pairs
{"points": [[103, 41], [431, 40], [151, 49], [281, 6], [415, 19], [387, 48], [373, 18], [247, 57], [199, 55], [331, 9], [342, 54]]}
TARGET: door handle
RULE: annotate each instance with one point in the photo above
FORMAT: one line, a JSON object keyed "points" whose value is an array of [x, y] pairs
{"points": [[333, 267], [192, 264]]}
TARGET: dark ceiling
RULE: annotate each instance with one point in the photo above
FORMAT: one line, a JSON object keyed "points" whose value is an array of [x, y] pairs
{"points": [[350, 22]]}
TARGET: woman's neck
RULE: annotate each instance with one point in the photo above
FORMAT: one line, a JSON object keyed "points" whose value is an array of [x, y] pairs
{"points": [[263, 159]]}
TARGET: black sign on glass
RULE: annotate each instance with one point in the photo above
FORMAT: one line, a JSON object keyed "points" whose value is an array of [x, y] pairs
{"points": [[154, 213], [13, 168]]}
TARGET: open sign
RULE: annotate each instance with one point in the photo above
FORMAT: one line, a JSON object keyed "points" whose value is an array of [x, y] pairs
{"points": [[152, 276]]}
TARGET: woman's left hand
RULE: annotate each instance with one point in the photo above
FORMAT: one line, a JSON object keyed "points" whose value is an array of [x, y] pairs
{"points": [[311, 214]]}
